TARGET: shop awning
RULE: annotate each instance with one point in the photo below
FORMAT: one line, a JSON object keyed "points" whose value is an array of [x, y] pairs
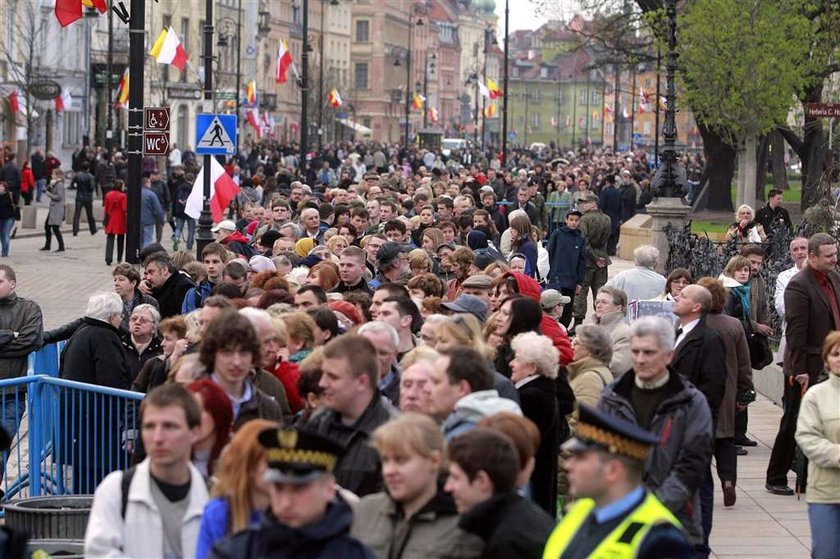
{"points": [[356, 127]]}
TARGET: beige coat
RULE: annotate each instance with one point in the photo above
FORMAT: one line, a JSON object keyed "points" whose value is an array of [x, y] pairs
{"points": [[587, 377], [818, 435], [619, 331]]}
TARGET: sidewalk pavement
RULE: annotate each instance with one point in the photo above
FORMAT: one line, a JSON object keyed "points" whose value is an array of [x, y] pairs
{"points": [[760, 525]]}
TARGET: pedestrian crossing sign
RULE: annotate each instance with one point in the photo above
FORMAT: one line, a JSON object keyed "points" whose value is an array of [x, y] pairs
{"points": [[215, 134]]}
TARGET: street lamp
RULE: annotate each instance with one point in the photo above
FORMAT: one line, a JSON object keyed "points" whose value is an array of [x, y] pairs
{"points": [[204, 235], [226, 31], [411, 25], [505, 85], [429, 67], [669, 180]]}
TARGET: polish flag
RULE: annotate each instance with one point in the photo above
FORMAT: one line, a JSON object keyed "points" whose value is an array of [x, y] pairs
{"points": [[284, 60], [222, 191], [169, 50], [14, 101], [68, 11], [63, 101]]}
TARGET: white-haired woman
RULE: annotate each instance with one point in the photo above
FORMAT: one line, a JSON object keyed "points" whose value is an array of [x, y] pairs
{"points": [[534, 370], [94, 355], [142, 341], [745, 229]]}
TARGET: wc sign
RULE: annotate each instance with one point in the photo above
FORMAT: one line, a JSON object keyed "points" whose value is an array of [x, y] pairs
{"points": [[156, 131]]}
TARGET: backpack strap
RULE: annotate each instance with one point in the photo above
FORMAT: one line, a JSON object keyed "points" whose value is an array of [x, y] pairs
{"points": [[125, 483]]}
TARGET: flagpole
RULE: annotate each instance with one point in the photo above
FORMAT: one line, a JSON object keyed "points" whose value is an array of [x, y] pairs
{"points": [[203, 235], [239, 70], [136, 58], [304, 88], [505, 118]]}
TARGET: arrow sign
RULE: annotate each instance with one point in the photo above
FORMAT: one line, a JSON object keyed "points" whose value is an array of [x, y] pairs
{"points": [[156, 118], [155, 143]]}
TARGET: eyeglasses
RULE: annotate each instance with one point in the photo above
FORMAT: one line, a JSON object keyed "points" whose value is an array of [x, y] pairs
{"points": [[139, 320]]}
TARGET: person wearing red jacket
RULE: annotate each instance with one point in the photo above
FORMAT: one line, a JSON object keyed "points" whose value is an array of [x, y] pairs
{"points": [[116, 208], [27, 183], [517, 282]]}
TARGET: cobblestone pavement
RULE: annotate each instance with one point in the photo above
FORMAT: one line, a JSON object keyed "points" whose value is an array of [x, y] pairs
{"points": [[760, 525]]}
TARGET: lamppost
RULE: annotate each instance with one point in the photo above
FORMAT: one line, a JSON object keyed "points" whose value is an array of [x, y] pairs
{"points": [[203, 235], [224, 34], [505, 85], [489, 39], [429, 67], [321, 75], [669, 181], [411, 25]]}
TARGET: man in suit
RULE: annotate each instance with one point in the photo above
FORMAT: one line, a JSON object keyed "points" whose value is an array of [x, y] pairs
{"points": [[699, 355], [812, 310]]}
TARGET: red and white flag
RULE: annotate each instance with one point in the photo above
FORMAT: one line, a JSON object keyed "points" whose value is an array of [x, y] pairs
{"points": [[222, 191], [168, 49], [14, 101], [284, 60], [68, 11], [63, 101]]}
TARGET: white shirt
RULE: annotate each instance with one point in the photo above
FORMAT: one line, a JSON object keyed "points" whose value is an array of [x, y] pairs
{"points": [[782, 281], [685, 331]]}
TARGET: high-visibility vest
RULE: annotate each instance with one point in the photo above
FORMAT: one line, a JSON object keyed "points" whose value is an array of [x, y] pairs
{"points": [[623, 542]]}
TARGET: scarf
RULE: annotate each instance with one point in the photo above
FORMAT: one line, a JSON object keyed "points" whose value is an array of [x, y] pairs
{"points": [[743, 293]]}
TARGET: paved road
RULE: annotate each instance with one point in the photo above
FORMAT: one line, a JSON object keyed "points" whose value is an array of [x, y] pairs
{"points": [[760, 525]]}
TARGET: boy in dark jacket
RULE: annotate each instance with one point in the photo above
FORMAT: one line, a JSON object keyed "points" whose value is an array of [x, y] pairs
{"points": [[567, 257]]}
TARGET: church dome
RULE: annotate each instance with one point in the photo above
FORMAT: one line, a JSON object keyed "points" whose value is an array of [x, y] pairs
{"points": [[486, 6]]}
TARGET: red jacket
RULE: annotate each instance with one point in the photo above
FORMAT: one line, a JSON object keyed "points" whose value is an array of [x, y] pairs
{"points": [[27, 181], [288, 373], [529, 287], [116, 207]]}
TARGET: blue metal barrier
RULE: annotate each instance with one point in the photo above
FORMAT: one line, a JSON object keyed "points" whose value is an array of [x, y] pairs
{"points": [[46, 360], [73, 434]]}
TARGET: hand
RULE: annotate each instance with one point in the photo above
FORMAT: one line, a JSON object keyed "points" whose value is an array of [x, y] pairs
{"points": [[180, 348], [744, 223], [803, 381], [144, 288], [763, 329], [577, 289], [601, 262]]}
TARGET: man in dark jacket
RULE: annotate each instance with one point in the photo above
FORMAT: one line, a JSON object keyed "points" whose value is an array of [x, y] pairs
{"points": [[165, 283], [94, 355], [655, 397], [162, 191], [353, 409], [483, 467], [596, 228], [812, 310], [773, 217], [628, 196], [39, 172], [610, 203], [21, 328], [10, 174], [85, 186], [305, 518], [567, 257]]}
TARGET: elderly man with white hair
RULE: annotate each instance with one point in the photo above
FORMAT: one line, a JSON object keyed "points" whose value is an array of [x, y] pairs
{"points": [[385, 339], [643, 281], [94, 354]]}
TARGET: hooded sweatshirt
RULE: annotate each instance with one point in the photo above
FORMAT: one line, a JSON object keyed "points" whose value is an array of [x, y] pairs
{"points": [[474, 407], [529, 287]]}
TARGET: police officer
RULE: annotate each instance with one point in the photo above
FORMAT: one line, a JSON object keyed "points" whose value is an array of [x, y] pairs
{"points": [[306, 519], [614, 515]]}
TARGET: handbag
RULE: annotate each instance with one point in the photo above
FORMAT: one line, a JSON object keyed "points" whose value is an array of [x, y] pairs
{"points": [[15, 207], [760, 354]]}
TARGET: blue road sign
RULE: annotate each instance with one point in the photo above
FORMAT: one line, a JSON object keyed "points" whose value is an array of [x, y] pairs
{"points": [[215, 134]]}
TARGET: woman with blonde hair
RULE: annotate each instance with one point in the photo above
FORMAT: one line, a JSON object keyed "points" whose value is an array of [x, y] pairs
{"points": [[419, 262], [336, 244], [240, 494], [522, 236], [414, 505], [745, 229], [463, 330], [432, 238]]}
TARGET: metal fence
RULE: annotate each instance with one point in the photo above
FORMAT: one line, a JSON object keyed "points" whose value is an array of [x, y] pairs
{"points": [[66, 436]]}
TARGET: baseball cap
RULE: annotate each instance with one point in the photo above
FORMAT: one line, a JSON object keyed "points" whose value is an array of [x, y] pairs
{"points": [[225, 224], [469, 304], [550, 298]]}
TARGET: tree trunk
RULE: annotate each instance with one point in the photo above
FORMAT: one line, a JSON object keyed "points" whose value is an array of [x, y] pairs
{"points": [[720, 168], [811, 149], [741, 188], [750, 171], [777, 161], [762, 155]]}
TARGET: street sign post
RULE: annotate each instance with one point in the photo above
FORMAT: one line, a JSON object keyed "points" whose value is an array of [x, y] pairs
{"points": [[155, 131], [215, 134], [155, 143], [824, 110]]}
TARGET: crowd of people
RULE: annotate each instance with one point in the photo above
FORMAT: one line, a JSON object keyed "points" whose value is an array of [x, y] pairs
{"points": [[388, 354]]}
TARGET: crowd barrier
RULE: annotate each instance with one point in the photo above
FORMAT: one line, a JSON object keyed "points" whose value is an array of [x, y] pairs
{"points": [[70, 435]]}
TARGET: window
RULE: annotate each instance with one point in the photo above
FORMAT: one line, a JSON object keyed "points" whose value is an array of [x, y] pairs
{"points": [[537, 97], [185, 40], [361, 75], [72, 128], [362, 31]]}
